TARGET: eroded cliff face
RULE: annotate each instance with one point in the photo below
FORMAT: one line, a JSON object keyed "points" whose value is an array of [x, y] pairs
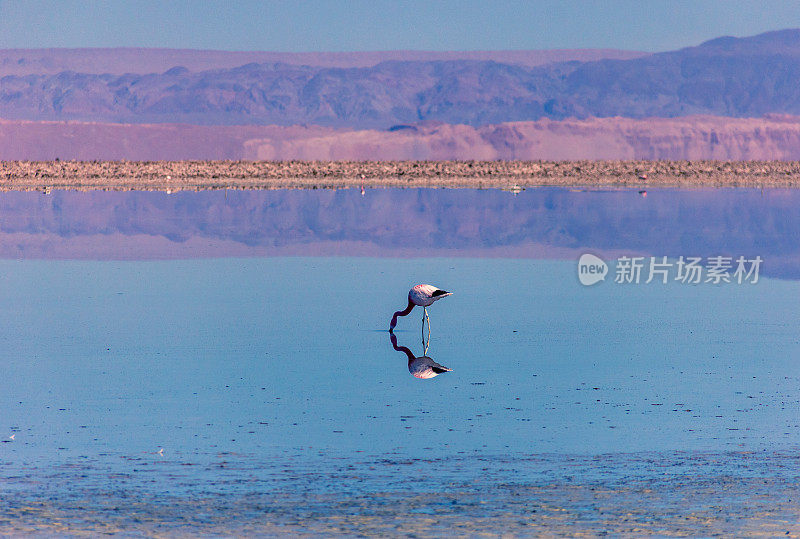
{"points": [[686, 138], [772, 138], [693, 137]]}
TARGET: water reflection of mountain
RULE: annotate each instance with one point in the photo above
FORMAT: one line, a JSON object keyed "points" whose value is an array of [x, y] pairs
{"points": [[547, 222]]}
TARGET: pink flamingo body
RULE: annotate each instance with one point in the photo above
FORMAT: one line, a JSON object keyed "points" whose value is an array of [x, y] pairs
{"points": [[422, 295]]}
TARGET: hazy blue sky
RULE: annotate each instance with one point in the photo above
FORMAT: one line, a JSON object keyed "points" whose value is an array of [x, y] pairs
{"points": [[319, 25]]}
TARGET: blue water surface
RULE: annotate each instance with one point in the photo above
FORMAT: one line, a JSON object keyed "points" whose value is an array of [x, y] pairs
{"points": [[137, 330]]}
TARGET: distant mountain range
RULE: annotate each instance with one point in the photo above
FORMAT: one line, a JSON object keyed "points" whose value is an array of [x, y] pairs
{"points": [[123, 60], [727, 76], [404, 104]]}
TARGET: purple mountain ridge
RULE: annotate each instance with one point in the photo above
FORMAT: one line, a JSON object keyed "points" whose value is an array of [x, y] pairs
{"points": [[738, 77], [119, 61]]}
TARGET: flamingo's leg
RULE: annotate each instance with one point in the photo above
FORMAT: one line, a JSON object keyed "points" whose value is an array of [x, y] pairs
{"points": [[428, 318], [424, 342], [427, 342], [424, 312]]}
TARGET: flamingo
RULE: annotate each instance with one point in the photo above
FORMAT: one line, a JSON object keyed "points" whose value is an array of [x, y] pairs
{"points": [[420, 367], [423, 295]]}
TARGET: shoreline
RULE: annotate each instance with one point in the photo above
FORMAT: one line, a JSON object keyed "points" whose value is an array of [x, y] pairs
{"points": [[202, 175]]}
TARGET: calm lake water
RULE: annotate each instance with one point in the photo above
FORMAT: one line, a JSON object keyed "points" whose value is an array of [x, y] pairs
{"points": [[225, 355]]}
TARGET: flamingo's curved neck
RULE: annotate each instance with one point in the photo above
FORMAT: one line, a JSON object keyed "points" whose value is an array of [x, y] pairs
{"points": [[401, 313], [409, 354]]}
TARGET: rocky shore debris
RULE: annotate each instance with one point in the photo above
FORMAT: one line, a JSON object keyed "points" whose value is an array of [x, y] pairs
{"points": [[174, 176]]}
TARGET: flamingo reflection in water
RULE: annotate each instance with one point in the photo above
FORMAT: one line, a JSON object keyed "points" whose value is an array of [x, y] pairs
{"points": [[420, 367]]}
